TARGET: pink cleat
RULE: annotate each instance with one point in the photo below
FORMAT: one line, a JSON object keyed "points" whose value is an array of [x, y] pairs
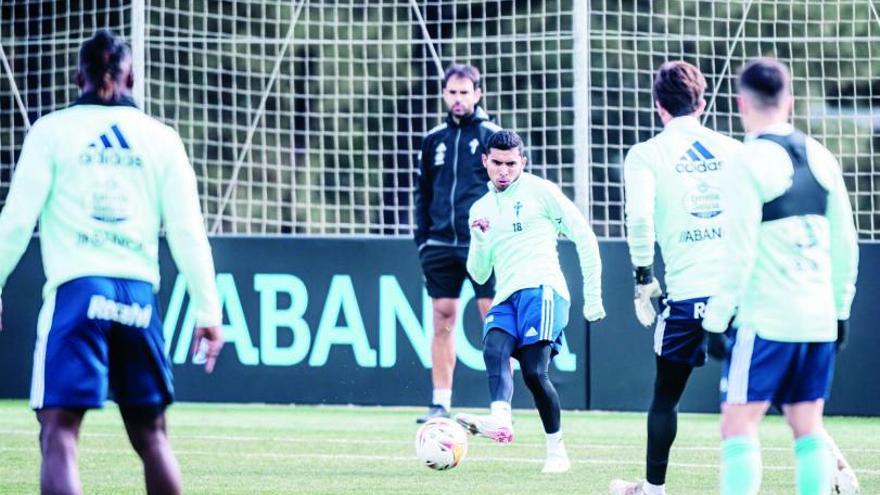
{"points": [[486, 426], [621, 487]]}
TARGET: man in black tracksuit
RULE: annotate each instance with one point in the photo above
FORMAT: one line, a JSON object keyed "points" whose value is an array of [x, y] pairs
{"points": [[452, 177]]}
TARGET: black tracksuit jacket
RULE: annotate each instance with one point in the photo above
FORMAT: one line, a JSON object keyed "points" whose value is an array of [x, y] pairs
{"points": [[451, 178]]}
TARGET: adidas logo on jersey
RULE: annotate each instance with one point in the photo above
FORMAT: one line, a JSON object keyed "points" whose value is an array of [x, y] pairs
{"points": [[111, 148], [697, 159], [106, 142], [531, 332]]}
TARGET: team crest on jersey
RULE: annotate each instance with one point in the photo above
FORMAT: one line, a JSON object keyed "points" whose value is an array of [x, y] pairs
{"points": [[703, 201], [517, 207], [474, 144], [109, 202], [440, 154]]}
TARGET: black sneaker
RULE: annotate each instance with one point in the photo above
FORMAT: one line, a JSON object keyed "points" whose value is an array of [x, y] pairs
{"points": [[434, 411]]}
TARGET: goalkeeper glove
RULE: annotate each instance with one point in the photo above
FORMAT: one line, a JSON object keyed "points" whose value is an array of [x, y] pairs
{"points": [[647, 288], [717, 345], [842, 328]]}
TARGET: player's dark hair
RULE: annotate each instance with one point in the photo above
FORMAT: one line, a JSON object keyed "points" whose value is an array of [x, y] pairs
{"points": [[101, 57], [767, 81], [679, 87], [504, 140], [463, 71]]}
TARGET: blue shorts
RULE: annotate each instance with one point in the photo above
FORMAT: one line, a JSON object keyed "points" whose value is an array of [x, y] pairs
{"points": [[678, 335], [760, 370], [97, 330], [530, 316]]}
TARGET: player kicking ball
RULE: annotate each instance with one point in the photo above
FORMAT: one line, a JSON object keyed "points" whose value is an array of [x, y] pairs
{"points": [[514, 229]]}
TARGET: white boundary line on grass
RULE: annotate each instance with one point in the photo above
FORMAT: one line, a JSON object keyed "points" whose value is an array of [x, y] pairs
{"points": [[340, 441], [407, 459], [248, 438]]}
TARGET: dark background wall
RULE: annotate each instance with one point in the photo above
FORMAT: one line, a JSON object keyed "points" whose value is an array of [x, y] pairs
{"points": [[342, 289], [348, 315], [621, 364]]}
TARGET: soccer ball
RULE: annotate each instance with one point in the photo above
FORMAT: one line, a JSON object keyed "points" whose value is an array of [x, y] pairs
{"points": [[441, 444], [843, 478], [844, 482]]}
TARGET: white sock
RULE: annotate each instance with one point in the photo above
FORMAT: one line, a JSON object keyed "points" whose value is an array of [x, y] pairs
{"points": [[650, 489], [443, 397], [555, 444], [501, 410]]}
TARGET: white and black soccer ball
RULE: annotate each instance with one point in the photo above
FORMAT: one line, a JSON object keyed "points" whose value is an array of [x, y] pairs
{"points": [[441, 444]]}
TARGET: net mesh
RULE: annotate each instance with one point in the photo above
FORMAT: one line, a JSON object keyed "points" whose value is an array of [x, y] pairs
{"points": [[40, 40], [305, 116], [830, 47]]}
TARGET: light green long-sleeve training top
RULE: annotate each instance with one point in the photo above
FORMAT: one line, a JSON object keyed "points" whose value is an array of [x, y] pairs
{"points": [[673, 185], [525, 221], [787, 279], [102, 180]]}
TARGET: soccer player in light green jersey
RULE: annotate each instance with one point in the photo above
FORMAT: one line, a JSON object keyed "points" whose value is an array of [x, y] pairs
{"points": [[514, 230], [103, 177], [674, 197], [791, 254]]}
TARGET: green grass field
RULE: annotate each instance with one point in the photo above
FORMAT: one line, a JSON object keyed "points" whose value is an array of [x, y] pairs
{"points": [[252, 449]]}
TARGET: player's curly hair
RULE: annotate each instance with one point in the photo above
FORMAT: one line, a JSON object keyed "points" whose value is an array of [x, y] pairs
{"points": [[101, 57], [679, 87]]}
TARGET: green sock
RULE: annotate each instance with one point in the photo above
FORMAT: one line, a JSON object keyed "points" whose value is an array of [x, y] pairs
{"points": [[812, 465], [740, 466]]}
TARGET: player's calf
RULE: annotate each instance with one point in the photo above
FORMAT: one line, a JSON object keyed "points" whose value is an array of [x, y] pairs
{"points": [[59, 430], [147, 432]]}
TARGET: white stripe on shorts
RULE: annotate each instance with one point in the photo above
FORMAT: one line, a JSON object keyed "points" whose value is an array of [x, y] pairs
{"points": [[740, 364], [660, 331], [44, 325], [547, 312]]}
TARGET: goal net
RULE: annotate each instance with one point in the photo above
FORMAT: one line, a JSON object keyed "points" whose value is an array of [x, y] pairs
{"points": [[829, 45], [39, 42], [305, 116]]}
